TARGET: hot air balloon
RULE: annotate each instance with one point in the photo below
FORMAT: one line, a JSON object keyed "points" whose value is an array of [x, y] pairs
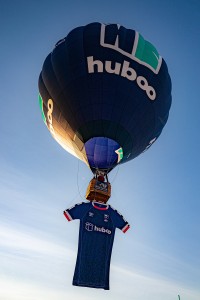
{"points": [[105, 95]]}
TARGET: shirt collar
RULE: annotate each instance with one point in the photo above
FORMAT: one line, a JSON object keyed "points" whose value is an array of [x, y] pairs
{"points": [[100, 206]]}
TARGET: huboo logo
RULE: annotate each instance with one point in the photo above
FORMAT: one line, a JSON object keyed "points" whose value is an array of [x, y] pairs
{"points": [[142, 51], [49, 115], [92, 227], [125, 71]]}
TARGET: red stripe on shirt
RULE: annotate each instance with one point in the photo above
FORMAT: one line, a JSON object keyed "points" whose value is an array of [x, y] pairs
{"points": [[100, 208], [96, 205], [67, 215], [125, 228]]}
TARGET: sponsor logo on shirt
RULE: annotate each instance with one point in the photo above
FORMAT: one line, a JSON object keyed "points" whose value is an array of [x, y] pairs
{"points": [[92, 227], [106, 217]]}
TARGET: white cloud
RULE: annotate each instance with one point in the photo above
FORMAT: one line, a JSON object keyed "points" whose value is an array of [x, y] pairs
{"points": [[29, 242], [14, 289]]}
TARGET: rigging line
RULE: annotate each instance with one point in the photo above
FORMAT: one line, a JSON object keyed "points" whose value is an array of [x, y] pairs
{"points": [[74, 198], [71, 201], [116, 174], [77, 182]]}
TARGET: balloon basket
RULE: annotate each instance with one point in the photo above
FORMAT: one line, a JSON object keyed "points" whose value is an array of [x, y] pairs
{"points": [[98, 191]]}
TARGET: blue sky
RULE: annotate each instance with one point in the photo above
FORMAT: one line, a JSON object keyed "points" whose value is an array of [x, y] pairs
{"points": [[158, 192]]}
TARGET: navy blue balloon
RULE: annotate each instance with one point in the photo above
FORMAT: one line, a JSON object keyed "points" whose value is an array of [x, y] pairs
{"points": [[105, 94]]}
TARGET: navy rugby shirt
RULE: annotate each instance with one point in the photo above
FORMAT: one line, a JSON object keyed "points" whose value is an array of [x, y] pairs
{"points": [[96, 235]]}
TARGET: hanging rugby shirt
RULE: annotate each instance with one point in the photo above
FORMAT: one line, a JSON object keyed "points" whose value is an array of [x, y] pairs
{"points": [[96, 235]]}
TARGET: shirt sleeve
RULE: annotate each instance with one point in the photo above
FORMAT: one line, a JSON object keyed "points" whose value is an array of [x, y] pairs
{"points": [[76, 212], [119, 221]]}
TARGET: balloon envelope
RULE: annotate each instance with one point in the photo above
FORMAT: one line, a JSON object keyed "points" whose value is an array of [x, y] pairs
{"points": [[105, 94]]}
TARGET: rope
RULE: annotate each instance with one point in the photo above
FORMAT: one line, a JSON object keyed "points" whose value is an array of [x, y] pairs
{"points": [[78, 194], [77, 182], [116, 174]]}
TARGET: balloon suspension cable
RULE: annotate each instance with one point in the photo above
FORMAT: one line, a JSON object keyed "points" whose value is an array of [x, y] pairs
{"points": [[116, 174], [77, 181]]}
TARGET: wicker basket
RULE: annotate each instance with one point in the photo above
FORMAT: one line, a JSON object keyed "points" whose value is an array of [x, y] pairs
{"points": [[99, 191]]}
